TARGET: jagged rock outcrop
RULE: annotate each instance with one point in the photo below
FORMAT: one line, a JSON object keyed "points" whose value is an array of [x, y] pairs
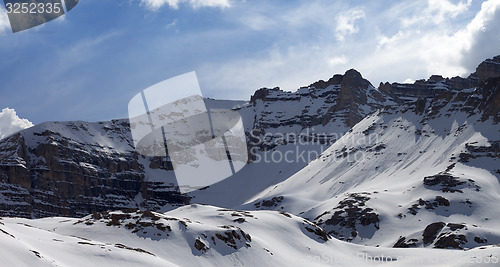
{"points": [[351, 90], [420, 105], [419, 89], [336, 79], [442, 235], [348, 217], [489, 68], [352, 94], [260, 94], [490, 93]]}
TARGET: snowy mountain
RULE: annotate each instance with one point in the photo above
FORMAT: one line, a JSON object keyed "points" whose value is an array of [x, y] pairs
{"points": [[400, 170], [76, 168], [398, 166]]}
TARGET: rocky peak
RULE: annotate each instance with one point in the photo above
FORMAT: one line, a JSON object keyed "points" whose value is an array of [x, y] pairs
{"points": [[351, 79], [489, 68], [335, 80], [259, 94], [352, 90], [354, 81], [354, 93], [435, 78]]}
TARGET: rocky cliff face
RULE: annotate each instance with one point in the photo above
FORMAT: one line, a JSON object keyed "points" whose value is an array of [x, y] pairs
{"points": [[76, 168], [489, 68], [436, 84]]}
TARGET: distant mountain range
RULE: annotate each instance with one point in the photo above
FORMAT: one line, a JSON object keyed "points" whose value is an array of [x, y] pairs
{"points": [[398, 166]]}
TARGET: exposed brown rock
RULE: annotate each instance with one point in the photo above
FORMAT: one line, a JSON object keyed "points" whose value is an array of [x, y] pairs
{"points": [[259, 94], [402, 243], [420, 106], [489, 68], [352, 94], [352, 90], [491, 95], [450, 241], [431, 232], [336, 79]]}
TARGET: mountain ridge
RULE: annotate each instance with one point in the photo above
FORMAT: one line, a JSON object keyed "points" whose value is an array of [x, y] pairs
{"points": [[339, 173], [77, 159]]}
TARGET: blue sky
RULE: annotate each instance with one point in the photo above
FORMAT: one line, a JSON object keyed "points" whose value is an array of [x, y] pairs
{"points": [[89, 63]]}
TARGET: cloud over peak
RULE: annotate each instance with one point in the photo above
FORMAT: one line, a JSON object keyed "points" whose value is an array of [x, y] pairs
{"points": [[346, 23], [11, 123], [156, 4]]}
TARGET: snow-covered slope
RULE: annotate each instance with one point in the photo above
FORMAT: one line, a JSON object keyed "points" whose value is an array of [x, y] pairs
{"points": [[287, 130], [399, 171], [198, 235], [340, 173]]}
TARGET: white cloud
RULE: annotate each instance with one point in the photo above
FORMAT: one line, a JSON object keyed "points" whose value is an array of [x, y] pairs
{"points": [[156, 4], [346, 23], [4, 21], [420, 50], [395, 52], [436, 12], [389, 42], [459, 52], [258, 22], [171, 24], [79, 52], [339, 60], [267, 16], [445, 9], [384, 50], [289, 68], [10, 123], [481, 37]]}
